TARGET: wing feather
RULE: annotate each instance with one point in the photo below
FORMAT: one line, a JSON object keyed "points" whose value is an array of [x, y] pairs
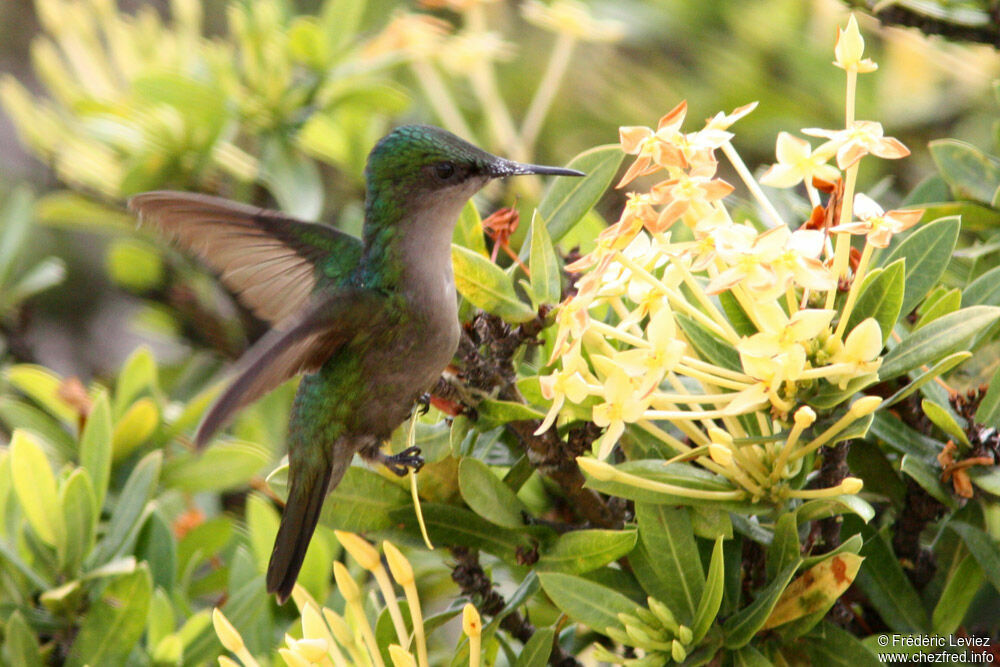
{"points": [[300, 345], [269, 260]]}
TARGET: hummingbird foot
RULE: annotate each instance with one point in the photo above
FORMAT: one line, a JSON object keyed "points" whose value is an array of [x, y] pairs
{"points": [[402, 462], [424, 400]]}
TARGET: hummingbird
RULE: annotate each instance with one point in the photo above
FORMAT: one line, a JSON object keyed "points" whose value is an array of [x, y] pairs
{"points": [[370, 323]]}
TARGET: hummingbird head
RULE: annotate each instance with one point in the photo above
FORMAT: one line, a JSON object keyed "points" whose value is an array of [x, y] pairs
{"points": [[420, 161]]}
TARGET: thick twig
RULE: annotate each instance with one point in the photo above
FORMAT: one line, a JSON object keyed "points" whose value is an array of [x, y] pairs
{"points": [[986, 31]]}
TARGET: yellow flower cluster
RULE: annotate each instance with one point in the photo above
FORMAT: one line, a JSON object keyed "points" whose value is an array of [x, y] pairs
{"points": [[725, 330], [340, 640]]}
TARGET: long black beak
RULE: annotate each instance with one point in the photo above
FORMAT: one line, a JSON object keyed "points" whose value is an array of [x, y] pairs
{"points": [[502, 167]]}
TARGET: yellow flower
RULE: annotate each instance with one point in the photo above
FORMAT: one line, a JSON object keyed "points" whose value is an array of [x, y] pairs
{"points": [[662, 356], [415, 35], [572, 18], [797, 162], [654, 150], [877, 225], [859, 354], [858, 140], [466, 51], [849, 49], [566, 383], [679, 194], [624, 402]]}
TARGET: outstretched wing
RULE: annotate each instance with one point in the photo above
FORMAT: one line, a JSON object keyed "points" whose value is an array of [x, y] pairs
{"points": [[302, 344], [269, 260]]}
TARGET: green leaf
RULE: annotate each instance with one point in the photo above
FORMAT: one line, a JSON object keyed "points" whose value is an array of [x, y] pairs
{"points": [[741, 627], [940, 368], [964, 581], [469, 230], [157, 546], [944, 421], [80, 514], [677, 474], [942, 337], [488, 496], [929, 479], [830, 645], [95, 447], [569, 199], [927, 252], [897, 435], [17, 414], [546, 271], [971, 173], [262, 522], [126, 519], [15, 223], [948, 302], [711, 597], [667, 535], [707, 345], [581, 551], [115, 622], [221, 467], [537, 650], [988, 412], [134, 428], [982, 547], [47, 273], [363, 501], [42, 386], [35, 486], [493, 413], [593, 605], [984, 290], [451, 525], [881, 297], [135, 265], [785, 547], [138, 377], [486, 286], [341, 19], [822, 508], [888, 588], [20, 644]]}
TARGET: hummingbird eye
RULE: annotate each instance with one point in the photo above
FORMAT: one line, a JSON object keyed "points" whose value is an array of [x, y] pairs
{"points": [[444, 170]]}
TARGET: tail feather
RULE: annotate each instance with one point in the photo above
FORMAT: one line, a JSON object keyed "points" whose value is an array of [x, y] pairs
{"points": [[298, 522]]}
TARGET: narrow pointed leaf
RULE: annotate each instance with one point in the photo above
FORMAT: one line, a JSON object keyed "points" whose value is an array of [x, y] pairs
{"points": [[134, 428], [741, 627], [80, 513], [20, 644], [486, 286], [35, 486], [971, 173], [488, 496], [95, 446], [568, 199], [944, 336], [881, 297], [963, 584], [888, 588], [546, 272], [982, 547], [711, 597], [585, 602], [938, 369], [816, 589], [668, 537], [115, 622], [130, 509], [581, 551], [469, 230], [537, 650], [927, 251]]}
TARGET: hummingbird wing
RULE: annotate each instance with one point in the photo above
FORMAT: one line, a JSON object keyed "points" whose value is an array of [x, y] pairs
{"points": [[272, 262], [300, 345]]}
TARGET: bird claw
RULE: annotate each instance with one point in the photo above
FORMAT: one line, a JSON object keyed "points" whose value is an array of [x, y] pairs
{"points": [[425, 403], [402, 462]]}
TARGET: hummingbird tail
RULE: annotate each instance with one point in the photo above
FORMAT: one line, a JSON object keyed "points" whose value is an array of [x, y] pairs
{"points": [[298, 522]]}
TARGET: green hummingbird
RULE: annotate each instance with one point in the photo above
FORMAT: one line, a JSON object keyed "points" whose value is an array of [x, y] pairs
{"points": [[371, 323]]}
